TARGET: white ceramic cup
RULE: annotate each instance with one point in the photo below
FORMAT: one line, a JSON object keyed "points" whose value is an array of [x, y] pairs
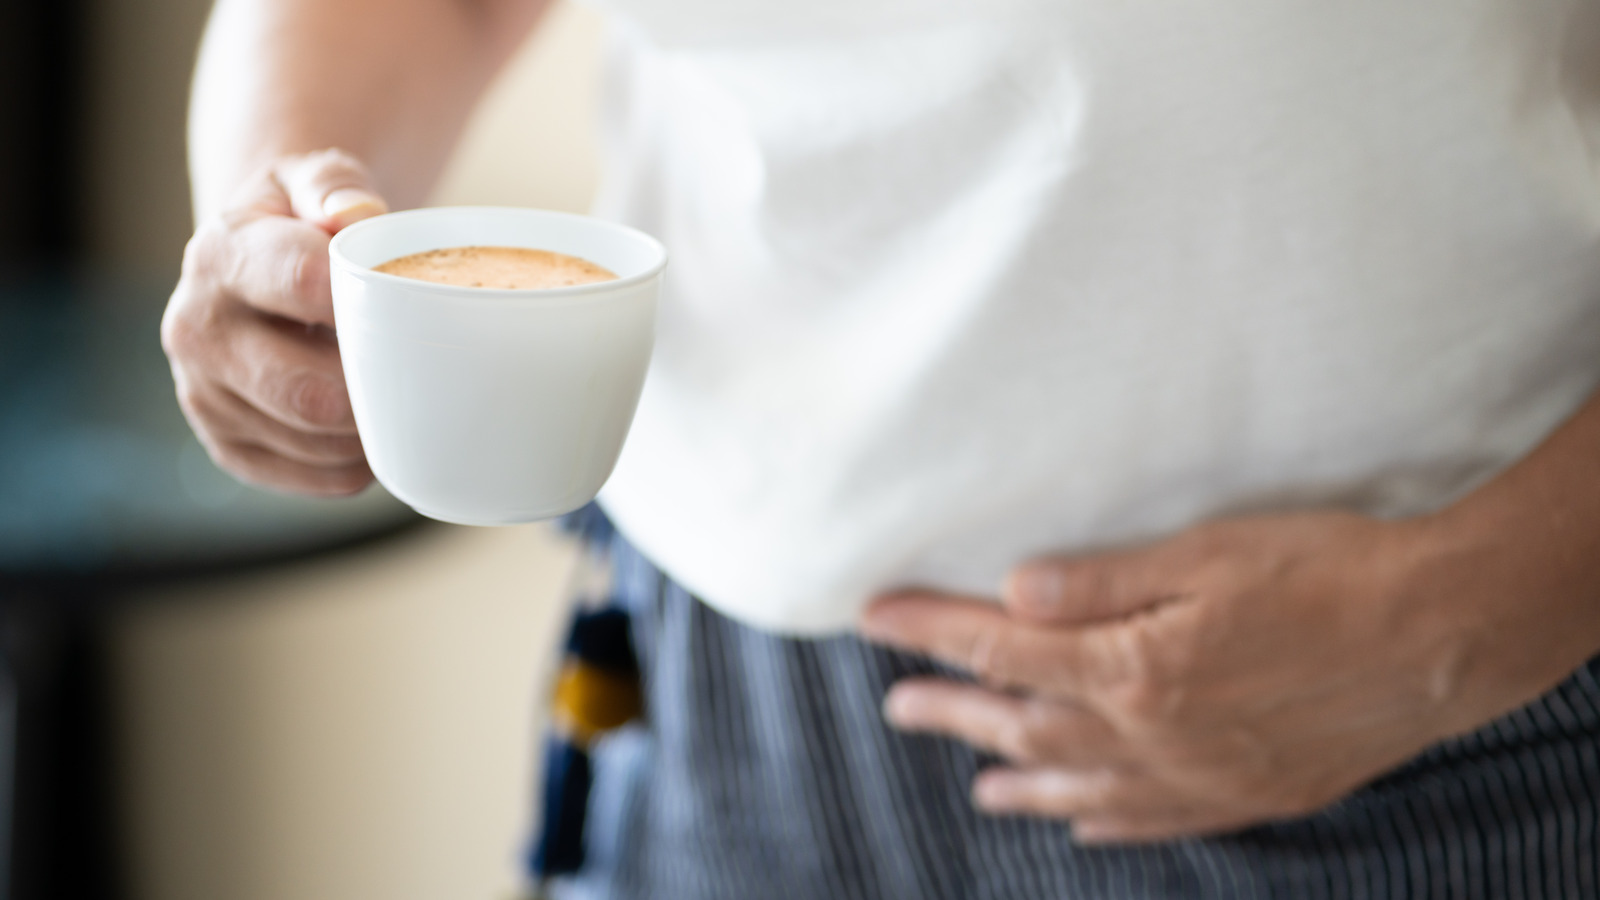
{"points": [[486, 406]]}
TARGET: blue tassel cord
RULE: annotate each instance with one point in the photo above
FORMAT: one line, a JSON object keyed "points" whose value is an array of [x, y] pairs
{"points": [[596, 692]]}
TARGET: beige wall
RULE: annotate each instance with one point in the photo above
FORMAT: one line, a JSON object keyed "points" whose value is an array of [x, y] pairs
{"points": [[532, 140], [354, 728], [359, 727], [140, 54]]}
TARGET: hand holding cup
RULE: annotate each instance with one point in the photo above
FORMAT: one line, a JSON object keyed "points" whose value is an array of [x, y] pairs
{"points": [[249, 329]]}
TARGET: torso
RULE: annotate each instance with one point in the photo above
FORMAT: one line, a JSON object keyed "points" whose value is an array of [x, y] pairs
{"points": [[957, 283]]}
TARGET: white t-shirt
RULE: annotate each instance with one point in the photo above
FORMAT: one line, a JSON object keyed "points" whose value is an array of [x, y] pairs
{"points": [[957, 283]]}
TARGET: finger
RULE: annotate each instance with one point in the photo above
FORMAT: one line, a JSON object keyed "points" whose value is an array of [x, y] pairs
{"points": [[1024, 730], [262, 467], [329, 188], [287, 372], [277, 265], [1096, 588], [228, 417], [979, 637], [1167, 825], [258, 195], [1068, 793]]}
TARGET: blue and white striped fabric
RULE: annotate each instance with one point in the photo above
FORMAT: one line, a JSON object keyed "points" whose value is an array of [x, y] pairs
{"points": [[765, 771]]}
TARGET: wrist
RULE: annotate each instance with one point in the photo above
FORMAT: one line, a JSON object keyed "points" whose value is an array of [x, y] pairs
{"points": [[1507, 612]]}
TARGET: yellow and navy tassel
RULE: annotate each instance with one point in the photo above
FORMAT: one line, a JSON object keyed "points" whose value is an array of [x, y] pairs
{"points": [[597, 691]]}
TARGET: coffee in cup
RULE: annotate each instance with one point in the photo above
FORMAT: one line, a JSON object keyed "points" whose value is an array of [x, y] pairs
{"points": [[507, 268], [487, 405]]}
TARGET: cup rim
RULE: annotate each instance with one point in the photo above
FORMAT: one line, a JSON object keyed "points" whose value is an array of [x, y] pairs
{"points": [[338, 258]]}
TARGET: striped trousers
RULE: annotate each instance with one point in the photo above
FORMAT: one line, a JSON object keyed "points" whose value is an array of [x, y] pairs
{"points": [[764, 770]]}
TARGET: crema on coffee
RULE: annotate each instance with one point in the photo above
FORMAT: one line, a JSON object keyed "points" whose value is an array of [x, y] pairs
{"points": [[510, 268]]}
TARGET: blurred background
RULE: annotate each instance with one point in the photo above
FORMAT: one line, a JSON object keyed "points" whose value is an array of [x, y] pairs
{"points": [[208, 691]]}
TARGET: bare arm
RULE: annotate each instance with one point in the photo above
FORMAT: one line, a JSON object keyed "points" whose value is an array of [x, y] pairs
{"points": [[280, 84], [390, 81]]}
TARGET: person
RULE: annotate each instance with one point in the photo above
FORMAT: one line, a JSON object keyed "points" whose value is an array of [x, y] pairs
{"points": [[1180, 417]]}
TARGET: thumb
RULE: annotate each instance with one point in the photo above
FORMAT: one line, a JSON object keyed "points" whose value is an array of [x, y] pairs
{"points": [[329, 188], [1060, 591]]}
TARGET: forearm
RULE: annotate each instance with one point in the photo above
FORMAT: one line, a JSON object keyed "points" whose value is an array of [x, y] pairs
{"points": [[1518, 563], [391, 81]]}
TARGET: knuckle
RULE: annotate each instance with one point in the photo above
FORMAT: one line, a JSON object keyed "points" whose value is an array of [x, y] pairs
{"points": [[307, 274], [193, 309], [1018, 741], [190, 401], [177, 332], [1029, 737], [1144, 695], [315, 400], [984, 657], [186, 326], [333, 164], [231, 458], [192, 325], [332, 157], [201, 252]]}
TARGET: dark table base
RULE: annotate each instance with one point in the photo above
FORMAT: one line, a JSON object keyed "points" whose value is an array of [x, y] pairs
{"points": [[55, 702]]}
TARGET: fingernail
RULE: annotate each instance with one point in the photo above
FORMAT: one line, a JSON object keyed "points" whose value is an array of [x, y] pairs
{"points": [[990, 794], [899, 707], [347, 205]]}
